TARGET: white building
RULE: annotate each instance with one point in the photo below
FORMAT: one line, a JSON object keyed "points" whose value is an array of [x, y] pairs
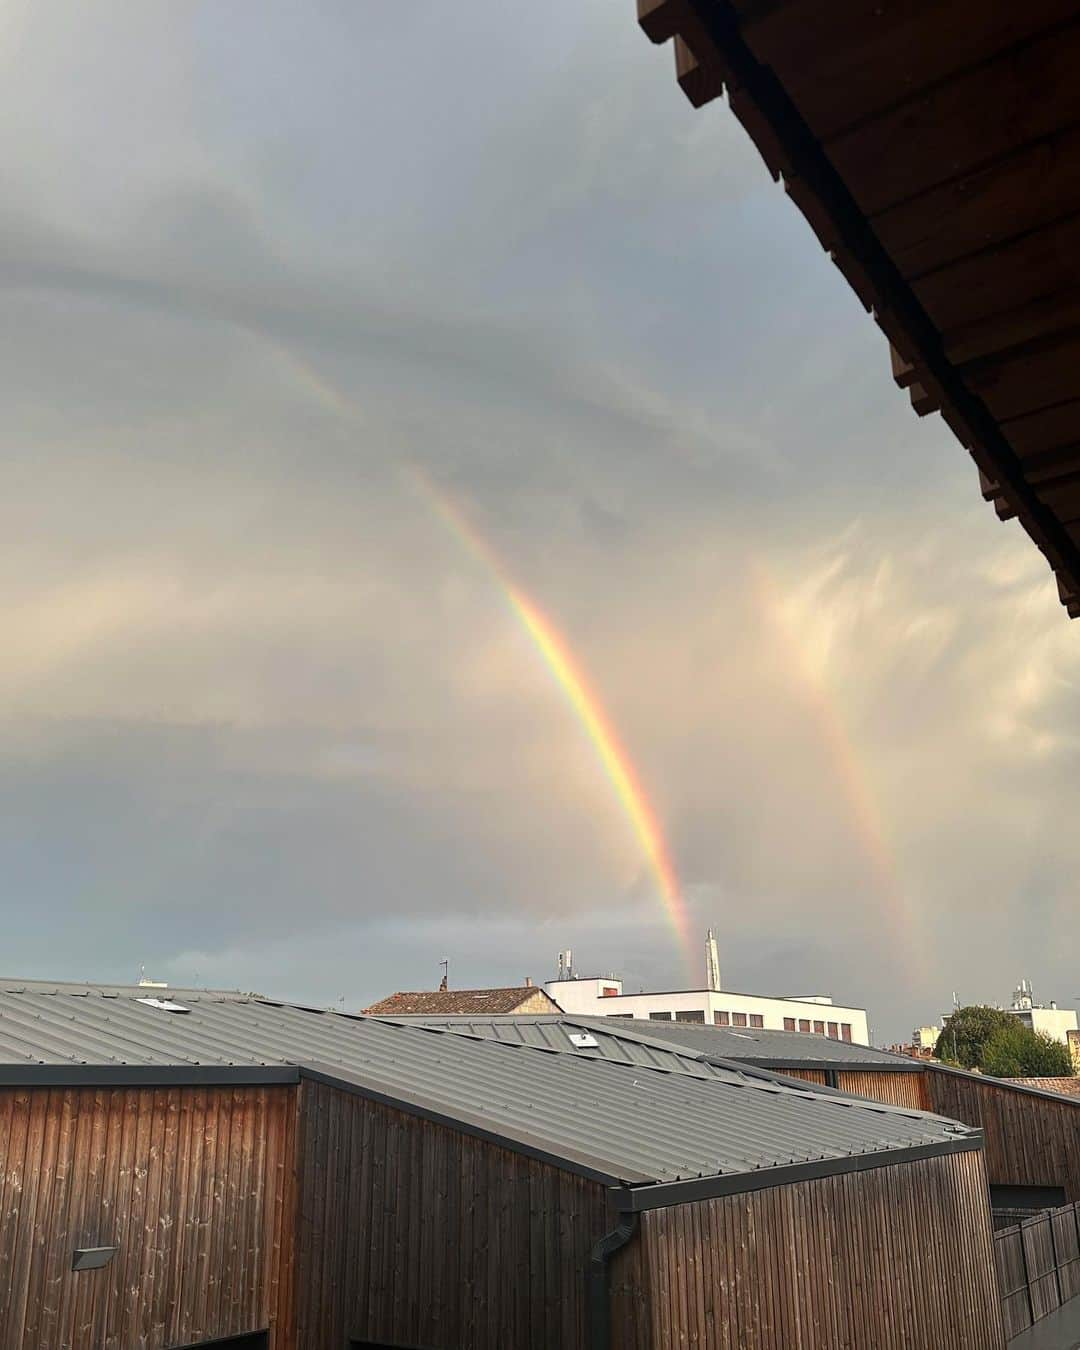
{"points": [[1054, 1021], [602, 996]]}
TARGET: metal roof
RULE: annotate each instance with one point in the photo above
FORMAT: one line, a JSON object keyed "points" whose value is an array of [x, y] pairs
{"points": [[589, 1037], [639, 1041], [622, 1122], [773, 1049]]}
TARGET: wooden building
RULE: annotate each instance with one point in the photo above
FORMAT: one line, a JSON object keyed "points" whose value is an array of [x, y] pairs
{"points": [[933, 148], [186, 1168]]}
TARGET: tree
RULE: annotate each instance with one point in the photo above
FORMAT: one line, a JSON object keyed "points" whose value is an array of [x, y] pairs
{"points": [[998, 1043], [1047, 1058], [967, 1033], [1007, 1052]]}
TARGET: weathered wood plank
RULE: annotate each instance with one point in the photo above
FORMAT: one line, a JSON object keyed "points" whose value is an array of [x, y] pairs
{"points": [[955, 128]]}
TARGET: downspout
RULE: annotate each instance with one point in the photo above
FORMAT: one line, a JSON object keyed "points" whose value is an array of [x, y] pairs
{"points": [[599, 1277]]}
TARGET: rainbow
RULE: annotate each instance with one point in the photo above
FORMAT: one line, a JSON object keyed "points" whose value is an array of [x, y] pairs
{"points": [[553, 648], [587, 707], [850, 774]]}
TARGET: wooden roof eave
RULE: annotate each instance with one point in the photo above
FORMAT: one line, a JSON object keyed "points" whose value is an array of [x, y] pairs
{"points": [[712, 58]]}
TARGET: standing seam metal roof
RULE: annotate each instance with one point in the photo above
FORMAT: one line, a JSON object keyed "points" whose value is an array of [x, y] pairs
{"points": [[636, 1039], [619, 1121]]}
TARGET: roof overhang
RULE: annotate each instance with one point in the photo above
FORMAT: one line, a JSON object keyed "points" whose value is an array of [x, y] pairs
{"points": [[659, 1195], [1002, 378]]}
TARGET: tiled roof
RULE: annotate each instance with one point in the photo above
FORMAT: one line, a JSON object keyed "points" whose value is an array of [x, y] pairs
{"points": [[457, 1001], [1068, 1087]]}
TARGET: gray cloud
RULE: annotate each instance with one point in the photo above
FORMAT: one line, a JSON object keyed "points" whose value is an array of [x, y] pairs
{"points": [[269, 723]]}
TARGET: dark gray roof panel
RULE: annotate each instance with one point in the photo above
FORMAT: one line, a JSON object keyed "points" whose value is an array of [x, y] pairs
{"points": [[771, 1049], [637, 1040], [579, 1036], [622, 1120]]}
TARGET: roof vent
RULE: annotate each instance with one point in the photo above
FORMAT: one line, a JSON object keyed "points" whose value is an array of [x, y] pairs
{"points": [[165, 1004], [583, 1040]]}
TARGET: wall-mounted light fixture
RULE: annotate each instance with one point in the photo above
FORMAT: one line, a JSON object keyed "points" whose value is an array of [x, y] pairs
{"points": [[92, 1258]]}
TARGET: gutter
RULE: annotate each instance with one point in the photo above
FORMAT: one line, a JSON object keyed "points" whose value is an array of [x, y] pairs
{"points": [[598, 1305], [661, 1194]]}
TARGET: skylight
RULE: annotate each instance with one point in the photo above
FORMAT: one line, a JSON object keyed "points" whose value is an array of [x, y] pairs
{"points": [[164, 1004]]}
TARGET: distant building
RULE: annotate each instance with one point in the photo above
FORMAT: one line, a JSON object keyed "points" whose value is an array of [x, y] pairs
{"points": [[1048, 1018], [526, 998], [603, 996], [1072, 1039], [925, 1038]]}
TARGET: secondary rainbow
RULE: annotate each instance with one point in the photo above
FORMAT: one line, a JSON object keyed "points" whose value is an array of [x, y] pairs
{"points": [[850, 773], [587, 706]]}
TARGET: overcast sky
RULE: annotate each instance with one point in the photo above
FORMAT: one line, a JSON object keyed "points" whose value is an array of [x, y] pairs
{"points": [[267, 724]]}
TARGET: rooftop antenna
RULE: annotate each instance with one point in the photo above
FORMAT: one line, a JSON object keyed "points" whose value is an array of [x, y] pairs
{"points": [[444, 982], [150, 984], [712, 963]]}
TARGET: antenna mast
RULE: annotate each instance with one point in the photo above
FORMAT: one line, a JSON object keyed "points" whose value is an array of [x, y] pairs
{"points": [[712, 963]]}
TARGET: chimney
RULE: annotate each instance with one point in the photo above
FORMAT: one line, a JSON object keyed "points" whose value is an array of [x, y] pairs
{"points": [[528, 981], [712, 963]]}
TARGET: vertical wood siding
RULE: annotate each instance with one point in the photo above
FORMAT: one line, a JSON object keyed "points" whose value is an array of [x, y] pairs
{"points": [[899, 1089], [411, 1233], [192, 1185], [807, 1075], [895, 1258], [1029, 1140]]}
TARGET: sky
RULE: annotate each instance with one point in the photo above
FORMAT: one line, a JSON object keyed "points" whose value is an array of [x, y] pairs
{"points": [[266, 723]]}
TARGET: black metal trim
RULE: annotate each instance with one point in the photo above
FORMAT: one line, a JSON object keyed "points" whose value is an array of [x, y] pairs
{"points": [[892, 293], [661, 1194], [147, 1075], [598, 1307], [829, 1065]]}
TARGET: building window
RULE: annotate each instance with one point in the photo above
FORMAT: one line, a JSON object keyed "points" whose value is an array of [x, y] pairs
{"points": [[609, 991], [721, 1019], [621, 1017], [660, 1017], [804, 1024], [819, 1028], [756, 1020], [738, 1019], [789, 1024], [845, 1030], [834, 1031], [690, 1015]]}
